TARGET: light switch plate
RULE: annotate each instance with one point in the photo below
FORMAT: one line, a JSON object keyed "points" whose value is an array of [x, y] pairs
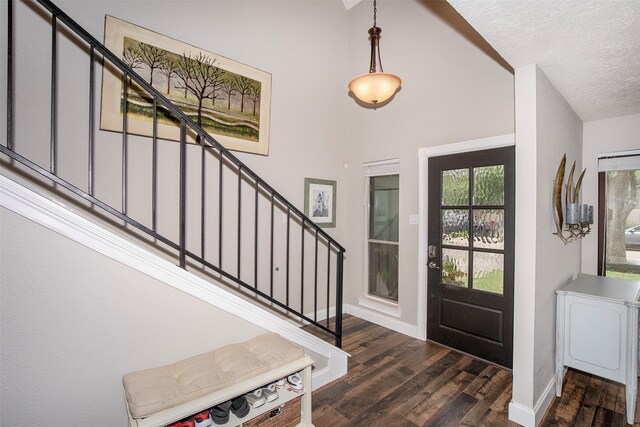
{"points": [[414, 219]]}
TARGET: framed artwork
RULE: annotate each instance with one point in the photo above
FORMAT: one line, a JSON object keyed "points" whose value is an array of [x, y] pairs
{"points": [[230, 100], [320, 201]]}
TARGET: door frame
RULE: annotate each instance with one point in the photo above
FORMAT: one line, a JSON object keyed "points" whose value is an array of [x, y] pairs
{"points": [[423, 196]]}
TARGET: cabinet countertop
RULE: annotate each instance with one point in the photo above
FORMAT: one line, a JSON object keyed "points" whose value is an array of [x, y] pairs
{"points": [[619, 290]]}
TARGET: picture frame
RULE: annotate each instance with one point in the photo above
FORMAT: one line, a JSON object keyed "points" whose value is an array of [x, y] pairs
{"points": [[320, 201], [234, 106]]}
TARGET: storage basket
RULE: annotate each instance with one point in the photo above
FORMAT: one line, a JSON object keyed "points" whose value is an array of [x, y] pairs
{"points": [[287, 416]]}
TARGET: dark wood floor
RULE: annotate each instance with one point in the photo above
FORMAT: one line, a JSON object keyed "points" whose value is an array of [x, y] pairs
{"points": [[395, 380]]}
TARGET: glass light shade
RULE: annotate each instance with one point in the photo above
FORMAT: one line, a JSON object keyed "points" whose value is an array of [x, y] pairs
{"points": [[375, 87]]}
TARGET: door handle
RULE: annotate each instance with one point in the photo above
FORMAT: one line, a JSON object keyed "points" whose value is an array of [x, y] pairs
{"points": [[432, 264]]}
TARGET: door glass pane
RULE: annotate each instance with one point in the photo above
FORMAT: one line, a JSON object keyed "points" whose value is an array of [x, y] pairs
{"points": [[383, 270], [488, 185], [455, 187], [623, 224], [488, 272], [455, 227], [455, 267], [488, 228], [383, 215]]}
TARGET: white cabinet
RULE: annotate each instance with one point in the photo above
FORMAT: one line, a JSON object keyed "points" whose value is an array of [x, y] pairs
{"points": [[597, 331]]}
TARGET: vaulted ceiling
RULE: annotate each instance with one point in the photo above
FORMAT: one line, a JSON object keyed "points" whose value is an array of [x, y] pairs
{"points": [[589, 49]]}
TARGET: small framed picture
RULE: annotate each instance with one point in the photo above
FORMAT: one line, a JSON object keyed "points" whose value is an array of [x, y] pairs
{"points": [[320, 201]]}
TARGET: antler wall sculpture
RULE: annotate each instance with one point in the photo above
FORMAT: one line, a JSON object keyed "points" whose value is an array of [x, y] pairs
{"points": [[578, 217]]}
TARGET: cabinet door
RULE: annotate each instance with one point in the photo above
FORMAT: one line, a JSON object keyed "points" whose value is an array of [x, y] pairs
{"points": [[595, 337]]}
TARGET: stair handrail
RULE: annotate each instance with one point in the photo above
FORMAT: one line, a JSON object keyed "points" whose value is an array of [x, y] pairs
{"points": [[185, 120], [114, 59]]}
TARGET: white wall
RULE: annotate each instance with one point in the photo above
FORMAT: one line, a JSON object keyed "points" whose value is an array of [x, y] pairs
{"points": [[603, 136], [73, 322], [451, 92], [546, 128], [308, 68]]}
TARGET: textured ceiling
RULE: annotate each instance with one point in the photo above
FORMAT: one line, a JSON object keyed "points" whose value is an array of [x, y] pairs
{"points": [[590, 50]]}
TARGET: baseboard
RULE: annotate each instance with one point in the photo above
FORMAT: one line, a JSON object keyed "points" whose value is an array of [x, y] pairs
{"points": [[383, 320], [321, 314], [531, 417], [58, 218], [326, 375]]}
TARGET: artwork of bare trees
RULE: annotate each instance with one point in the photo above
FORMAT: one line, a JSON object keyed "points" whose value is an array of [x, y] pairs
{"points": [[201, 77], [152, 58], [254, 95], [227, 99], [198, 78], [169, 68]]}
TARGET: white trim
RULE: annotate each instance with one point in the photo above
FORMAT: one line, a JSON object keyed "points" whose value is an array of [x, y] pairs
{"points": [[619, 154], [423, 197], [381, 167], [370, 170], [622, 161], [58, 218], [320, 316], [529, 417], [381, 305], [348, 4], [521, 414], [466, 146], [382, 320]]}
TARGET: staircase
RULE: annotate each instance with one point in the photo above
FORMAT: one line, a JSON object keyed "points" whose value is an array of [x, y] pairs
{"points": [[188, 213]]}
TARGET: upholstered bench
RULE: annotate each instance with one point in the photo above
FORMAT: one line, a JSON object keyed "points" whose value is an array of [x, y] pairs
{"points": [[162, 395]]}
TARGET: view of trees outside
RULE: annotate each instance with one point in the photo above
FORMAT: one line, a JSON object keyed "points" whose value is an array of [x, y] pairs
{"points": [[622, 241], [485, 206], [221, 102], [384, 201]]}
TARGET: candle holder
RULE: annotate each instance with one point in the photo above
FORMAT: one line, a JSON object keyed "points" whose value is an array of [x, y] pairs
{"points": [[576, 218]]}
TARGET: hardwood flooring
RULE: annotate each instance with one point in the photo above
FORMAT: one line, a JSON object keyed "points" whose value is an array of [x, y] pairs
{"points": [[394, 380], [588, 400]]}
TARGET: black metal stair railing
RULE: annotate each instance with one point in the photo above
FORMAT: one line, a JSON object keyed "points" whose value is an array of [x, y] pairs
{"points": [[210, 149]]}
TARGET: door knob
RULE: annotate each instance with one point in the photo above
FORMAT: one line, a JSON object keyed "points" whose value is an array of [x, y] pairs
{"points": [[432, 264]]}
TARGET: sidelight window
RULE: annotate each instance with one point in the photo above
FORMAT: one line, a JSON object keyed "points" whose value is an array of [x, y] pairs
{"points": [[382, 214]]}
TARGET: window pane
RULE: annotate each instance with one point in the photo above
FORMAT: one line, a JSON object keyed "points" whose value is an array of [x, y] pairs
{"points": [[488, 228], [455, 187], [455, 227], [488, 272], [383, 271], [488, 185], [455, 267], [383, 215], [622, 244]]}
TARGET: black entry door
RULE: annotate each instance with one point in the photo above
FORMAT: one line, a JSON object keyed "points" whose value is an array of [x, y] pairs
{"points": [[470, 254]]}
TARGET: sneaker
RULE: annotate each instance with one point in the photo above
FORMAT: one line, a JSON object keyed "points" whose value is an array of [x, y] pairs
{"points": [[255, 398], [203, 419], [281, 383], [295, 382], [269, 393], [187, 422], [220, 413], [240, 407]]}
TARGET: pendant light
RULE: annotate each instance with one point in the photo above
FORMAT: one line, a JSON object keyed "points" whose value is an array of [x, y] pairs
{"points": [[375, 86]]}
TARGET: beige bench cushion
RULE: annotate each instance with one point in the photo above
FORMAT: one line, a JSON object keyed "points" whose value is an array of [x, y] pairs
{"points": [[152, 390]]}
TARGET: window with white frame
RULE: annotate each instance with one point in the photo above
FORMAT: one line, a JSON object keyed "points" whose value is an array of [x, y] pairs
{"points": [[382, 212], [619, 215]]}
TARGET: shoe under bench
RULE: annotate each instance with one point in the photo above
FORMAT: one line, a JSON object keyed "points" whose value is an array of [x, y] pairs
{"points": [[301, 365]]}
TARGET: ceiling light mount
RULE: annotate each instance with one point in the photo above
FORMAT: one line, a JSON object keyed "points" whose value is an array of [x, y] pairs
{"points": [[376, 86]]}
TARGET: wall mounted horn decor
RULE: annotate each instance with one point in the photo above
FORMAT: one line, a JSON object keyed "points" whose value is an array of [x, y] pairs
{"points": [[577, 217]]}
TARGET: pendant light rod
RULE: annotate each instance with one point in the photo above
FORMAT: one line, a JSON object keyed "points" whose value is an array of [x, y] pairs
{"points": [[374, 36], [375, 86]]}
